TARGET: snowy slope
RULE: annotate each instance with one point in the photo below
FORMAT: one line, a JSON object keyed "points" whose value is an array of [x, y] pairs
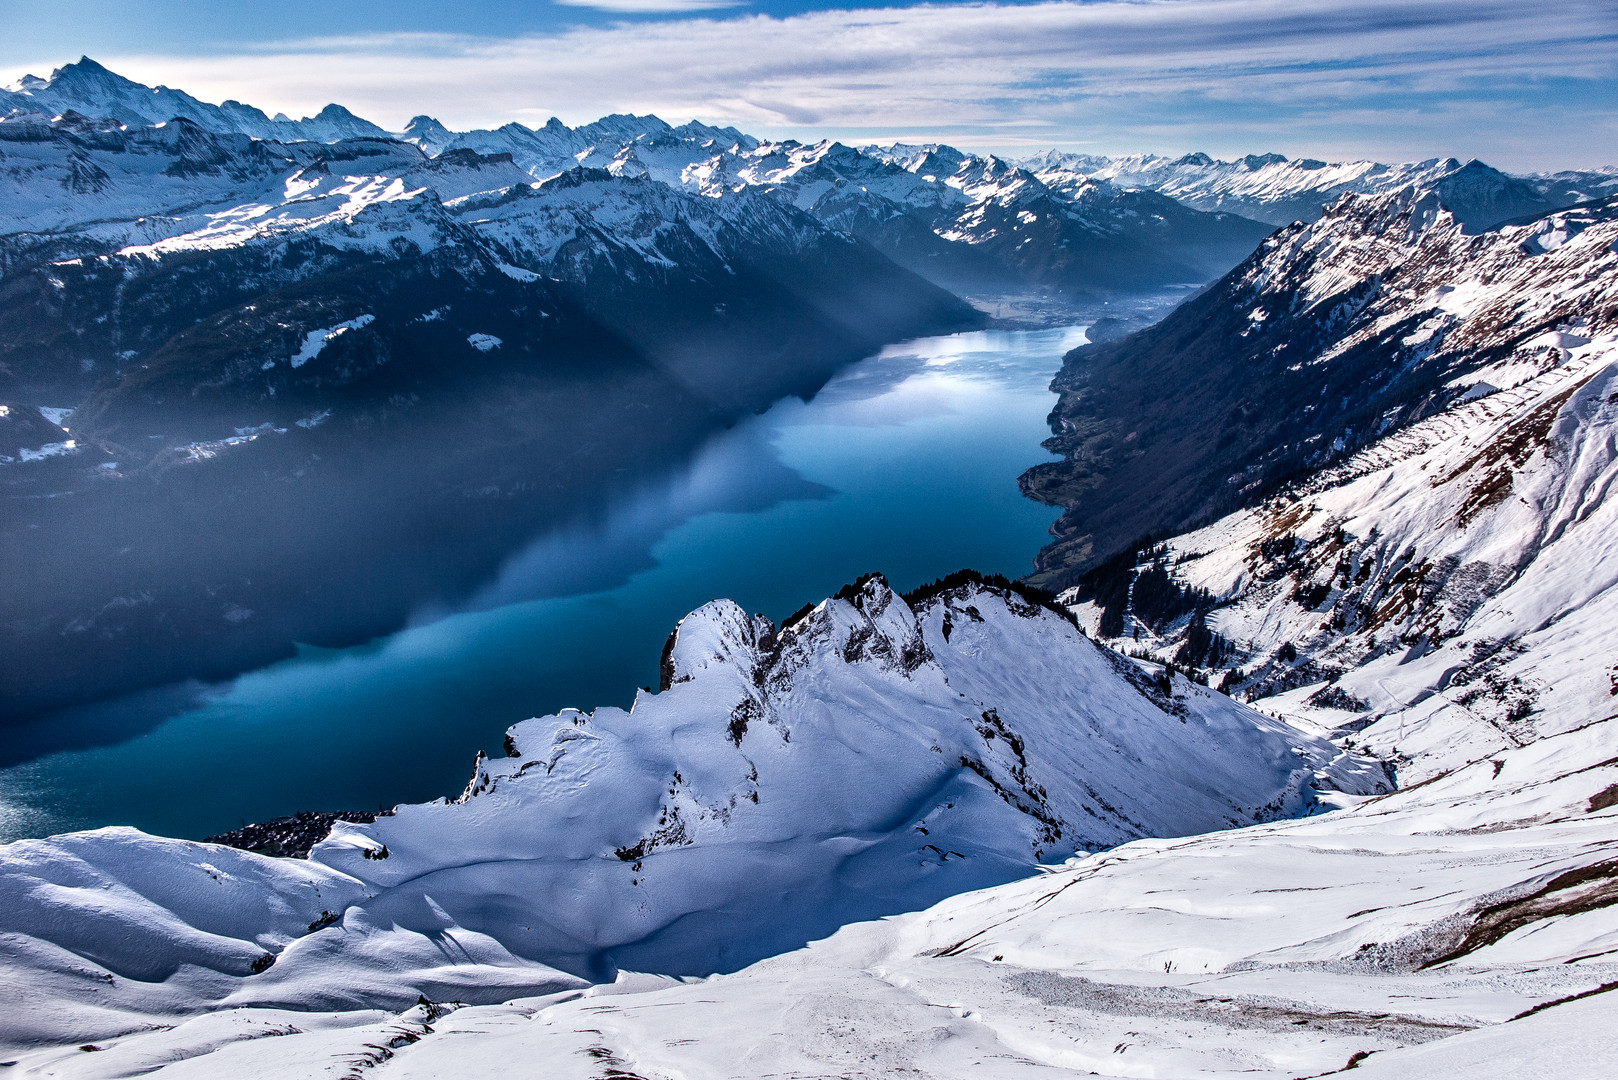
{"points": [[1275, 952], [1462, 927], [1333, 333], [72, 173], [869, 757], [1450, 589], [1504, 345], [552, 225]]}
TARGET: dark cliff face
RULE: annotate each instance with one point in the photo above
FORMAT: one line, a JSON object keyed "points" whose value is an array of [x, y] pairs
{"points": [[1329, 336]]}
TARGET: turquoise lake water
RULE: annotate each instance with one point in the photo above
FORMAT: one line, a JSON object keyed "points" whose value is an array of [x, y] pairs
{"points": [[905, 463]]}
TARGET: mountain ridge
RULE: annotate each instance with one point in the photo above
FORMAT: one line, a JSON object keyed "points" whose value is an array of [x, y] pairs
{"points": [[1362, 326], [952, 776]]}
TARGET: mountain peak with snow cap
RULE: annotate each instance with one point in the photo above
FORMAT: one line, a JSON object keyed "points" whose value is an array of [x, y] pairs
{"points": [[90, 88], [874, 754], [427, 133], [86, 70]]}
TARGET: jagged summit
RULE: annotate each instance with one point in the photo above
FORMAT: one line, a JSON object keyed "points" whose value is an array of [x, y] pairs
{"points": [[872, 755], [87, 69], [1480, 197], [89, 88]]}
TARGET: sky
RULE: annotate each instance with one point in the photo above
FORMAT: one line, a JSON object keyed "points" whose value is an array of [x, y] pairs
{"points": [[1522, 85]]}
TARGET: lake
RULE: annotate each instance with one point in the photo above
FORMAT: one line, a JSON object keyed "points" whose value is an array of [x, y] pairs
{"points": [[904, 463]]}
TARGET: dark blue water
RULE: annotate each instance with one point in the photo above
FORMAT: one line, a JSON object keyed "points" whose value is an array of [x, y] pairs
{"points": [[905, 463]]}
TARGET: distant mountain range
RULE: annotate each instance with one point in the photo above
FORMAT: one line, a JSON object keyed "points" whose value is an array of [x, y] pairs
{"points": [[972, 224], [1077, 223], [1280, 190], [91, 90]]}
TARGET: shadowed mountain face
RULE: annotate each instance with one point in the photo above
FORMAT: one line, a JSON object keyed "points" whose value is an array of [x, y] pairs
{"points": [[300, 423], [1385, 311]]}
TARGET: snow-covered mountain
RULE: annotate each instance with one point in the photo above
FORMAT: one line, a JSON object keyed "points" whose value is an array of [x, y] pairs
{"points": [[92, 92], [1575, 186], [1382, 313], [971, 223], [872, 755], [1281, 190], [1446, 589], [1461, 929]]}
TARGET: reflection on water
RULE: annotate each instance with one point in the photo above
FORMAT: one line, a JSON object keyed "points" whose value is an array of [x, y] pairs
{"points": [[905, 463]]}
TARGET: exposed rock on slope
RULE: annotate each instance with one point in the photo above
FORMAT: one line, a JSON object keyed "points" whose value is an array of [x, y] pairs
{"points": [[1449, 592], [1383, 312], [869, 757]]}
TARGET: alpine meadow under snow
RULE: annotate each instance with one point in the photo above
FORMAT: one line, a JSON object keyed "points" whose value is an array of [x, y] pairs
{"points": [[1305, 764]]}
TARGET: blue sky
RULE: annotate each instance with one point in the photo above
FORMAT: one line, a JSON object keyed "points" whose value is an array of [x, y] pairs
{"points": [[1522, 85]]}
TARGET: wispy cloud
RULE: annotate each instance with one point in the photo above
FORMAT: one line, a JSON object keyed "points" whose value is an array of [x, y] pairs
{"points": [[638, 7], [1526, 84]]}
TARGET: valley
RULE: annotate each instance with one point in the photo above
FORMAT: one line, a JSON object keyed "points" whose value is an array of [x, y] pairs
{"points": [[784, 507], [354, 469]]}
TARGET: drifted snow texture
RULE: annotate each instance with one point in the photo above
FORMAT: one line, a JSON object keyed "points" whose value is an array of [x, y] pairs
{"points": [[867, 759]]}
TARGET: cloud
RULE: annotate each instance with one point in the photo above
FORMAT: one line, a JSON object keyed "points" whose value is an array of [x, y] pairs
{"points": [[1524, 84], [652, 6]]}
